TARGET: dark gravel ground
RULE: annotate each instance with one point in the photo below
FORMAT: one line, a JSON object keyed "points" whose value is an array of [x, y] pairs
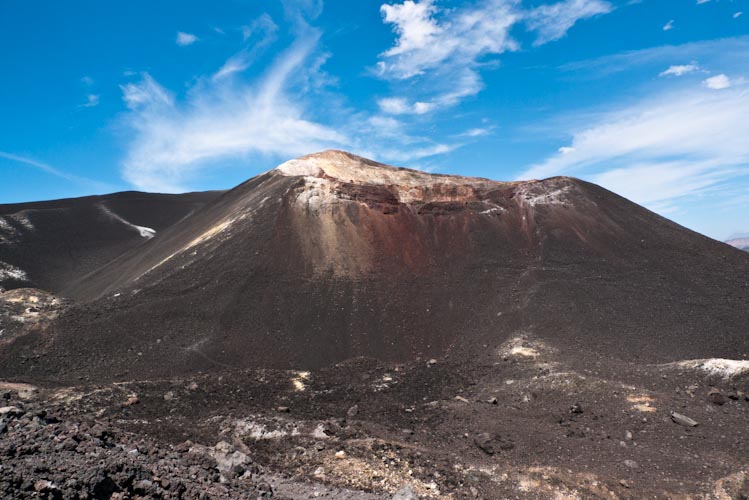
{"points": [[527, 427]]}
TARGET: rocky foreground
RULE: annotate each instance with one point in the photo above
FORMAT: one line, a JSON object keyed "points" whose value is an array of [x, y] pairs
{"points": [[527, 427]]}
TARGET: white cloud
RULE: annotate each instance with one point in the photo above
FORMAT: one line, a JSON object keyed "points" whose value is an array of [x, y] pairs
{"points": [[679, 70], [401, 106], [417, 31], [147, 94], [717, 82], [45, 167], [257, 36], [173, 141], [476, 132], [184, 39], [727, 53], [87, 80], [660, 149], [221, 121], [457, 38], [444, 48], [92, 100], [702, 1], [553, 21], [669, 25], [737, 15]]}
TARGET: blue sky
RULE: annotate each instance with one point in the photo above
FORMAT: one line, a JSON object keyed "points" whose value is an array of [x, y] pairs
{"points": [[648, 98]]}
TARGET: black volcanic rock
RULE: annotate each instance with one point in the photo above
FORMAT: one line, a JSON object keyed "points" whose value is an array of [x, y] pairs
{"points": [[331, 257]]}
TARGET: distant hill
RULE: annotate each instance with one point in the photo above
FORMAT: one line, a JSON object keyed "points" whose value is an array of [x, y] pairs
{"points": [[49, 244], [739, 241]]}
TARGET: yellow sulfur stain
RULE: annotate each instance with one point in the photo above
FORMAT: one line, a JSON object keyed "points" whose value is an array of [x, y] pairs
{"points": [[299, 381], [642, 403]]}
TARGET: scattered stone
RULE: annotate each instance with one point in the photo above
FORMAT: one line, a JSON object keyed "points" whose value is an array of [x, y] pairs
{"points": [[492, 401], [340, 454], [265, 490], [144, 487], [492, 443], [132, 400], [628, 436], [11, 411], [353, 411], [230, 462], [461, 399], [576, 409], [683, 420], [193, 386], [432, 362], [716, 397], [284, 409], [624, 483], [169, 396], [631, 464], [405, 493]]}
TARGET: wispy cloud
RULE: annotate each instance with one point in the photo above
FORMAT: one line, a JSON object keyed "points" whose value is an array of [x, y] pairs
{"points": [[257, 36], [723, 53], [174, 140], [92, 100], [737, 15], [184, 39], [401, 106], [553, 21], [669, 25], [445, 48], [680, 69], [233, 115], [660, 149], [49, 169], [476, 132]]}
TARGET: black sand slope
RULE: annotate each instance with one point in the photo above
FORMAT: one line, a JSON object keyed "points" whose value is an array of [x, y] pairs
{"points": [[51, 243]]}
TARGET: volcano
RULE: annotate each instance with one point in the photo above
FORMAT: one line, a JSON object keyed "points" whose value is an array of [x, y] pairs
{"points": [[339, 328], [332, 256]]}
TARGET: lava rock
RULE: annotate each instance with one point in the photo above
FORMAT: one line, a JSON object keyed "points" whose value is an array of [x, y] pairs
{"points": [[576, 409], [353, 411], [492, 443], [683, 420], [405, 493], [265, 490], [717, 398]]}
